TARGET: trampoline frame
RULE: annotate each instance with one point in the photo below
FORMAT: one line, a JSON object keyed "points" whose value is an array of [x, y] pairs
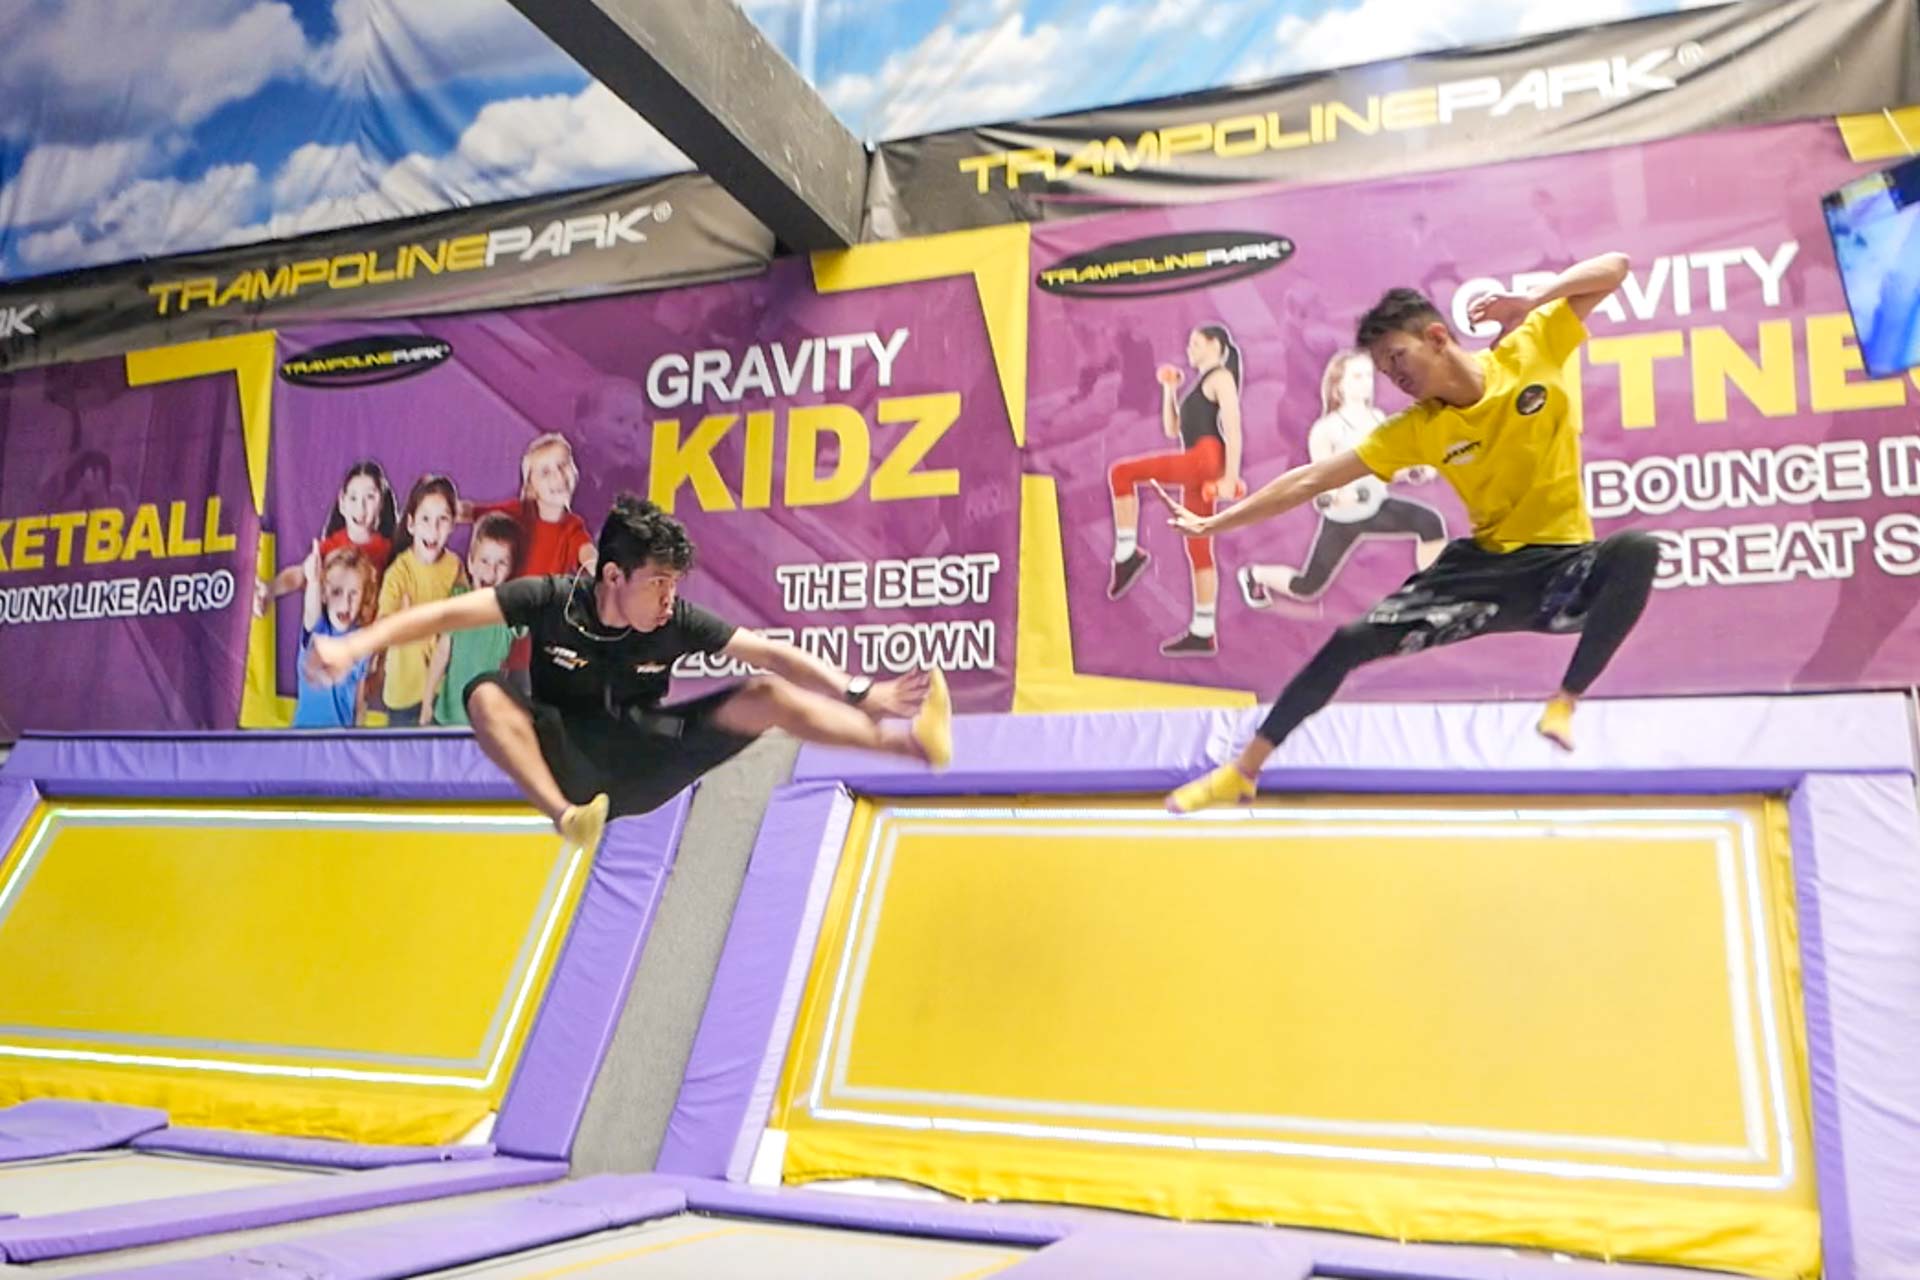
{"points": [[1845, 762]]}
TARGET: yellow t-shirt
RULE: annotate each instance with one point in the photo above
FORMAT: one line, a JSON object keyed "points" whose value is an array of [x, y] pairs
{"points": [[409, 581], [1513, 456]]}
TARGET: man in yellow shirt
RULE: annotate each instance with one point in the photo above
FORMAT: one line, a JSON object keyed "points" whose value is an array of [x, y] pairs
{"points": [[1500, 426]]}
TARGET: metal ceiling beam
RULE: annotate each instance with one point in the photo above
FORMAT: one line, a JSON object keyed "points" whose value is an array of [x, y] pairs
{"points": [[702, 74]]}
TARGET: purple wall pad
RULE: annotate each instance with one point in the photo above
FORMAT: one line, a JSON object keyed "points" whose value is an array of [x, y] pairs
{"points": [[588, 989], [66, 1235], [57, 1126], [18, 796], [1864, 873], [997, 1223], [1147, 1253], [320, 1153], [439, 765], [1136, 750], [417, 1245], [734, 1065]]}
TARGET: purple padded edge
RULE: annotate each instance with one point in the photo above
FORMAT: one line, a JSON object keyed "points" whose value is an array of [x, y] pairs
{"points": [[1863, 833], [1149, 1253], [18, 796], [440, 765], [1461, 745], [588, 990], [1667, 746], [1000, 1224], [1829, 1159], [321, 1153], [42, 1127], [730, 1072], [413, 1246], [126, 1226]]}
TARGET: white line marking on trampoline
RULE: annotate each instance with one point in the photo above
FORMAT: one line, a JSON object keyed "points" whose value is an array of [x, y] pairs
{"points": [[59, 815], [1375, 1155], [539, 956], [1539, 824]]}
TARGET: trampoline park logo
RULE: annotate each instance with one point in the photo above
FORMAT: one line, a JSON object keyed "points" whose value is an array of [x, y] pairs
{"points": [[362, 362], [1165, 264]]}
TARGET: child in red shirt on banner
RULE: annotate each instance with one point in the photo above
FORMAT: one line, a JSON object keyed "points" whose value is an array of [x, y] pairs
{"points": [[363, 518], [554, 537]]}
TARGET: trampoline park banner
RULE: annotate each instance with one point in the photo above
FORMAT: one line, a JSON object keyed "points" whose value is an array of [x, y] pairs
{"points": [[836, 435], [128, 520], [1631, 81], [1724, 409]]}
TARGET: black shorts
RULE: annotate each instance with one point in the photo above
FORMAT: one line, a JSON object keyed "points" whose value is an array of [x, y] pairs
{"points": [[1471, 591], [641, 761]]}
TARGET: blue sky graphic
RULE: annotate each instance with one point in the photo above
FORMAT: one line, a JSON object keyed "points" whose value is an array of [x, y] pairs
{"points": [[138, 130]]}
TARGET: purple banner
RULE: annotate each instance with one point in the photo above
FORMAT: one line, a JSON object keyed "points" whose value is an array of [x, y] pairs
{"points": [[829, 454], [127, 540], [1723, 402]]}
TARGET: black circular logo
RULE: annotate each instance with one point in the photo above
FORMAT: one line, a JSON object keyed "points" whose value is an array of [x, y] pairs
{"points": [[1532, 398]]}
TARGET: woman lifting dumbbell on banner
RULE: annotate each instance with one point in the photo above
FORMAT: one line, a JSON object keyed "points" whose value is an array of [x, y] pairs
{"points": [[1206, 421]]}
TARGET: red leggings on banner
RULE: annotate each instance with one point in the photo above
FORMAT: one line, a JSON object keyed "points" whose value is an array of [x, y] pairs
{"points": [[1193, 471]]}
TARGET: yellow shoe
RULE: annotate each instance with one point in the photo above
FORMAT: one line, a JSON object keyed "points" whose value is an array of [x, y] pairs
{"points": [[1556, 723], [1225, 785], [582, 824], [933, 727]]}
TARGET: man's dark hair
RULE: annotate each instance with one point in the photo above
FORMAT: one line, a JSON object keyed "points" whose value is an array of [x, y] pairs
{"points": [[1406, 310], [636, 531]]}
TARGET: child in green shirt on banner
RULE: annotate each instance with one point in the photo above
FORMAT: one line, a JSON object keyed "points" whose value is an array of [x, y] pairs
{"points": [[493, 555]]}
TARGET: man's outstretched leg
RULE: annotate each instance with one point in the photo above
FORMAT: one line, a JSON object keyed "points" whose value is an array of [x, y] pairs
{"points": [[1349, 647], [504, 730], [1623, 573], [768, 702]]}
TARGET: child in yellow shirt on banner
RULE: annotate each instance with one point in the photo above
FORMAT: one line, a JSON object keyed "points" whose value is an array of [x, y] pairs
{"points": [[422, 572], [1500, 426]]}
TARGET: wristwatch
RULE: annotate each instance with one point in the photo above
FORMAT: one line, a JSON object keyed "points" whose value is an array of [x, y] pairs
{"points": [[858, 688]]}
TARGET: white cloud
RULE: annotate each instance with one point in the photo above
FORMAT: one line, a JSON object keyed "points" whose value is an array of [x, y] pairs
{"points": [[151, 217], [104, 68], [537, 144], [1375, 30], [315, 172], [996, 72], [988, 63], [57, 181], [517, 147], [389, 46]]}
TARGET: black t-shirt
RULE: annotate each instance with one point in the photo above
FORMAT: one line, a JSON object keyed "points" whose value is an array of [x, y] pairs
{"points": [[583, 666]]}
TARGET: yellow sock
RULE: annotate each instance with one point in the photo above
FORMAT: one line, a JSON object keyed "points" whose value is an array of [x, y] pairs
{"points": [[1556, 722], [582, 824], [1223, 786], [933, 727]]}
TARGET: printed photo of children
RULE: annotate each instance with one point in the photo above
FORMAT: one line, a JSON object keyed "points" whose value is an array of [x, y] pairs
{"points": [[423, 570], [362, 518], [556, 539], [493, 554], [340, 591]]}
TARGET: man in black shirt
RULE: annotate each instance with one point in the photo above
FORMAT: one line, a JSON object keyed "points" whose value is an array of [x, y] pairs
{"points": [[596, 736]]}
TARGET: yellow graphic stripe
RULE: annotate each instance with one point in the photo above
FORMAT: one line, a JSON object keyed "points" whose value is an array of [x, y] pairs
{"points": [[249, 357], [1881, 135], [996, 258], [1044, 678]]}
